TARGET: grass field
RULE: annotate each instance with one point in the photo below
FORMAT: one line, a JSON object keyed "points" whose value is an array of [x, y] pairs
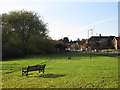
{"points": [[79, 72], [108, 54], [111, 50]]}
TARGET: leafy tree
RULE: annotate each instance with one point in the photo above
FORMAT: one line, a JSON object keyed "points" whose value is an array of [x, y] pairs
{"points": [[60, 46], [65, 40], [95, 45], [26, 24], [103, 44], [21, 31], [109, 43], [78, 40]]}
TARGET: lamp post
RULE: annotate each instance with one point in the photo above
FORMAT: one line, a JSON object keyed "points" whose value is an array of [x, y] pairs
{"points": [[90, 44], [88, 34], [89, 31]]}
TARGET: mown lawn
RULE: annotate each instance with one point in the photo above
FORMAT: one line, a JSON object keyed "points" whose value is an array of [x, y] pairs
{"points": [[111, 50], [79, 72], [108, 54]]}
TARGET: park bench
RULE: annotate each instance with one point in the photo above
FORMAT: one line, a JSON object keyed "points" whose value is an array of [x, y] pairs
{"points": [[33, 68], [69, 58]]}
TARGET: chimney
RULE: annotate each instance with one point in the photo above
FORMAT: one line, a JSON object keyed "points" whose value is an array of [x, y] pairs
{"points": [[100, 35]]}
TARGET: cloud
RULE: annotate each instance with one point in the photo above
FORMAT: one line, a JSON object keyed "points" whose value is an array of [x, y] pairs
{"points": [[96, 23], [102, 21], [58, 30]]}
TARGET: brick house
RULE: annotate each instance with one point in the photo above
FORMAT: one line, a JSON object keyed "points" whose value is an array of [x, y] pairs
{"points": [[101, 42], [116, 42]]}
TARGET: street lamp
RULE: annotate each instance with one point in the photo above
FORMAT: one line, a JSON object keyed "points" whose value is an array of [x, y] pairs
{"points": [[88, 38], [91, 31]]}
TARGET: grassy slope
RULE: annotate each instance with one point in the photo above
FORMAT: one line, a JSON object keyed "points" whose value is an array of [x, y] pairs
{"points": [[80, 71], [110, 50], [109, 54]]}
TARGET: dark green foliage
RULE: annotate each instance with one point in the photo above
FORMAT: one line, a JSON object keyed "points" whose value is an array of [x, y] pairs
{"points": [[12, 52], [109, 44], [60, 47], [95, 45], [65, 40], [24, 32]]}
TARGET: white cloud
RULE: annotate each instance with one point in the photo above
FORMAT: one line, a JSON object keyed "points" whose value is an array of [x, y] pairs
{"points": [[96, 23], [57, 30], [102, 21]]}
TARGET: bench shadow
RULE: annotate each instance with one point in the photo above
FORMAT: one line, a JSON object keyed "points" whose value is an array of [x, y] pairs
{"points": [[51, 75], [45, 75]]}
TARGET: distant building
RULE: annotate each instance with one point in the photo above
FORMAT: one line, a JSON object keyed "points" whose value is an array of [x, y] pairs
{"points": [[116, 42], [101, 42]]}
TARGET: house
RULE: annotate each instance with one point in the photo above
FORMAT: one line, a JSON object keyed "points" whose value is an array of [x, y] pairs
{"points": [[116, 42], [77, 44], [101, 42]]}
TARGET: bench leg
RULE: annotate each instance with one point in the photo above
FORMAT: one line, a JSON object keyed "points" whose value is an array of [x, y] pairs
{"points": [[27, 74]]}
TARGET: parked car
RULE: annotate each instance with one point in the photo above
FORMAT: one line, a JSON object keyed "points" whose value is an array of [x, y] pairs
{"points": [[95, 50], [82, 49]]}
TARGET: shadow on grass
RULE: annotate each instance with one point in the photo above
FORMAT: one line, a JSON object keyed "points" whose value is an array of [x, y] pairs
{"points": [[47, 75], [51, 75]]}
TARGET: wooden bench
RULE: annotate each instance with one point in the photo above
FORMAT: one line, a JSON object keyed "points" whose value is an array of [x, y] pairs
{"points": [[33, 68], [69, 58]]}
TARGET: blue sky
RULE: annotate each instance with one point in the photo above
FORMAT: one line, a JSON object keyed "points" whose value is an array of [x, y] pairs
{"points": [[72, 19]]}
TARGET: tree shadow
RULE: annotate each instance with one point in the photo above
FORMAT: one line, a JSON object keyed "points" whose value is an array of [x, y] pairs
{"points": [[51, 75]]}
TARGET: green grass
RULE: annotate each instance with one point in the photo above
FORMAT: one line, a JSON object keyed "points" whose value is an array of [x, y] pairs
{"points": [[111, 50], [79, 72], [109, 54]]}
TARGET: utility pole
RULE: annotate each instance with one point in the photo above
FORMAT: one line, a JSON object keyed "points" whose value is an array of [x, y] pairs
{"points": [[90, 44], [91, 31], [88, 34]]}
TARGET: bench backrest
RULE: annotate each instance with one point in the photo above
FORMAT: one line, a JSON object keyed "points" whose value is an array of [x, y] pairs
{"points": [[37, 67], [69, 58]]}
